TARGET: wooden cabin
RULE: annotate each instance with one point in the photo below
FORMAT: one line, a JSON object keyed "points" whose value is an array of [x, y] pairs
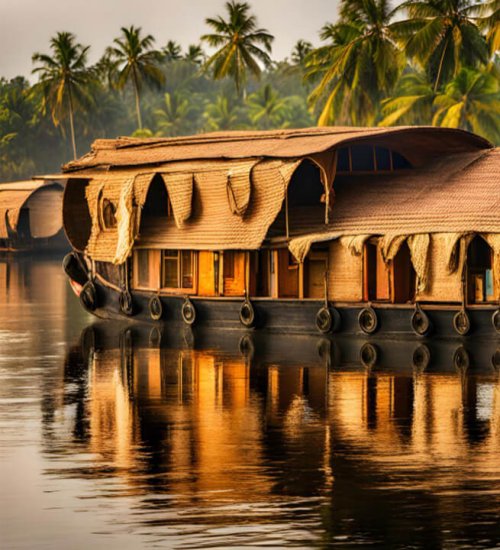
{"points": [[350, 221], [31, 216]]}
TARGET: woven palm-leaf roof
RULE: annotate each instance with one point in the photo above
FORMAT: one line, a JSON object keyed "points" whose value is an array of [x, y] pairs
{"points": [[417, 143], [13, 197]]}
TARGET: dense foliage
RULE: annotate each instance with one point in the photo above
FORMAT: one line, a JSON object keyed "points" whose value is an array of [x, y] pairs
{"points": [[433, 62]]}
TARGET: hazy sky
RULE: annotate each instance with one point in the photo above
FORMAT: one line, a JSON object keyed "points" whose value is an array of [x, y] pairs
{"points": [[27, 25]]}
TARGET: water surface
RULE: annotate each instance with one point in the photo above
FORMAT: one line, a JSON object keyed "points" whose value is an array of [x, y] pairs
{"points": [[112, 440]]}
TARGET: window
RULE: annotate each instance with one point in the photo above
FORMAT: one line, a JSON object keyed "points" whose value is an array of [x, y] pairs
{"points": [[480, 284], [178, 269], [108, 214], [369, 158], [146, 268]]}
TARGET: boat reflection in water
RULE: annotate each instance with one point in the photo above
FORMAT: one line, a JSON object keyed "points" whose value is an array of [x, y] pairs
{"points": [[252, 441]]}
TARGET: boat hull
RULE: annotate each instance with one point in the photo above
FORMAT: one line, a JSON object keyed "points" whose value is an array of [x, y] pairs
{"points": [[292, 316]]}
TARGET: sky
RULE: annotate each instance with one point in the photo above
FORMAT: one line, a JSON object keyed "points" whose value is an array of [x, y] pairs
{"points": [[26, 26]]}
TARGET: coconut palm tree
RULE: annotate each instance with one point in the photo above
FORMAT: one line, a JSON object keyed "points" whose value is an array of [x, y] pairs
{"points": [[240, 45], [171, 51], [174, 117], [300, 51], [222, 114], [267, 109], [359, 65], [137, 62], [195, 54], [490, 22], [64, 79], [411, 102], [471, 101], [442, 35]]}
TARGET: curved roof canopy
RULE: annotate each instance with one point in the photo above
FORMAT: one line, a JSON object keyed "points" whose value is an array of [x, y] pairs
{"points": [[417, 143]]}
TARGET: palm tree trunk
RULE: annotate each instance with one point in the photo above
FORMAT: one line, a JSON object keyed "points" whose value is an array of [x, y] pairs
{"points": [[137, 102], [71, 123], [441, 61]]}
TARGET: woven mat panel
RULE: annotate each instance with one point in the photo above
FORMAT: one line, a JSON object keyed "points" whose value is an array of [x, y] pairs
{"points": [[345, 274], [12, 198], [443, 285], [447, 197], [180, 193], [239, 187], [211, 225], [272, 144]]}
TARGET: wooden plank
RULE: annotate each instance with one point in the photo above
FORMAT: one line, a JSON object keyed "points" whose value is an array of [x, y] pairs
{"points": [[206, 274]]}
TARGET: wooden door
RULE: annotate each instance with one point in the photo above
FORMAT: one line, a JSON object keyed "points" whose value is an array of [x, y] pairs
{"points": [[234, 273], [315, 277], [288, 275], [207, 276]]}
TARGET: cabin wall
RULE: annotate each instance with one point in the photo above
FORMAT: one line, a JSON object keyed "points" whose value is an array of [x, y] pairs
{"points": [[45, 212], [345, 274], [442, 286]]}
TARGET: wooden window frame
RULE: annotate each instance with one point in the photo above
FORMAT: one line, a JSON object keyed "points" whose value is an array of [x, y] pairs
{"points": [[156, 262], [352, 172], [180, 290], [152, 264]]}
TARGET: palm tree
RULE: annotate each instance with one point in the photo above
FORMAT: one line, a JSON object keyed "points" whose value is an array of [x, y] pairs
{"points": [[195, 54], [173, 118], [222, 114], [471, 101], [240, 45], [360, 64], [172, 51], [136, 61], [442, 35], [300, 51], [490, 22], [411, 102], [266, 109], [65, 81]]}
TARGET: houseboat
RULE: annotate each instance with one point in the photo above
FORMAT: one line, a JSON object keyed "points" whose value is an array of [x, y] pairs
{"points": [[31, 216], [393, 231]]}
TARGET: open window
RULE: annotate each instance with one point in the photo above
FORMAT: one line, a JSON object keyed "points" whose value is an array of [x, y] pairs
{"points": [[369, 158], [304, 203], [108, 214], [177, 271], [157, 204], [394, 282], [480, 284]]}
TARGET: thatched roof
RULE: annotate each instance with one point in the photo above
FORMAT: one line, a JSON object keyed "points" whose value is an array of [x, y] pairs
{"points": [[416, 143], [213, 223], [457, 194], [236, 183], [13, 196]]}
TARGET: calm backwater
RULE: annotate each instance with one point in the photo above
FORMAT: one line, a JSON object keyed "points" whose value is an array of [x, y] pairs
{"points": [[109, 439]]}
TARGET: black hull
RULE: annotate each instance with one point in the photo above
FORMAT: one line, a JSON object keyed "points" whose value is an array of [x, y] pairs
{"points": [[297, 316]]}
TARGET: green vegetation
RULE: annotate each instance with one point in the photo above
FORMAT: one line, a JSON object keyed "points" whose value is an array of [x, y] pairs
{"points": [[433, 62]]}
